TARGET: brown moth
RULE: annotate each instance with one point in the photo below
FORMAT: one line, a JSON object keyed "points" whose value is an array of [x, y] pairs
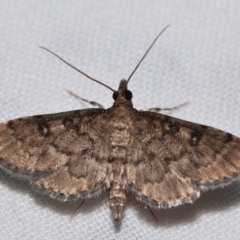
{"points": [[161, 160]]}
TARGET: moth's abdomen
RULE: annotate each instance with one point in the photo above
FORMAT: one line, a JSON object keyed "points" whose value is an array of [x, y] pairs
{"points": [[117, 197], [117, 200]]}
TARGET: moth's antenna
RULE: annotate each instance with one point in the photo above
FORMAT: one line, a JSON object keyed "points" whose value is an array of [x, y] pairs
{"points": [[93, 79], [146, 53]]}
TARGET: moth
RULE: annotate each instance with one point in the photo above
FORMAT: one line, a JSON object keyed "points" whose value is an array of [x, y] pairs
{"points": [[162, 161]]}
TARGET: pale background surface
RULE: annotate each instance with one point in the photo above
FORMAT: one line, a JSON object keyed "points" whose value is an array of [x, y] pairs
{"points": [[197, 60]]}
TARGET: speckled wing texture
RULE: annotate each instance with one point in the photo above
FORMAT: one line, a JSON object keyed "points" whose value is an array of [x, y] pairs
{"points": [[170, 160], [63, 155]]}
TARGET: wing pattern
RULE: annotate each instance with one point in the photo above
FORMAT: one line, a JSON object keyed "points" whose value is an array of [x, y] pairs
{"points": [[173, 160], [63, 155]]}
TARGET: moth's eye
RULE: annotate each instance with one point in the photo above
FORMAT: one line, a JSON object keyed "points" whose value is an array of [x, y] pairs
{"points": [[128, 95], [115, 96]]}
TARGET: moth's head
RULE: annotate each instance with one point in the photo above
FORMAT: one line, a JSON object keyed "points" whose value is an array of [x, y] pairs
{"points": [[122, 94]]}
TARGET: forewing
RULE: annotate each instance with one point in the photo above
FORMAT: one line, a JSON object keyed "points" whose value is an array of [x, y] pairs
{"points": [[175, 159], [64, 155]]}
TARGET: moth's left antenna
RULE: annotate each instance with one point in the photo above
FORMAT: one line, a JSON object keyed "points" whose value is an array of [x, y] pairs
{"points": [[93, 79], [146, 53]]}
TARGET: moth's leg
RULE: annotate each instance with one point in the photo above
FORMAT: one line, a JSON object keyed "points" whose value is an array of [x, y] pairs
{"points": [[152, 213], [83, 99], [167, 109], [78, 208]]}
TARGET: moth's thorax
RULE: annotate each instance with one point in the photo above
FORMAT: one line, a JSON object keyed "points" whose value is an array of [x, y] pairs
{"points": [[121, 102], [120, 131]]}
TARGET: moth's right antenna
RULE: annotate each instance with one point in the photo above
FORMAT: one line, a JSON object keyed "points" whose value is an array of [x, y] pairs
{"points": [[93, 79], [146, 53]]}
